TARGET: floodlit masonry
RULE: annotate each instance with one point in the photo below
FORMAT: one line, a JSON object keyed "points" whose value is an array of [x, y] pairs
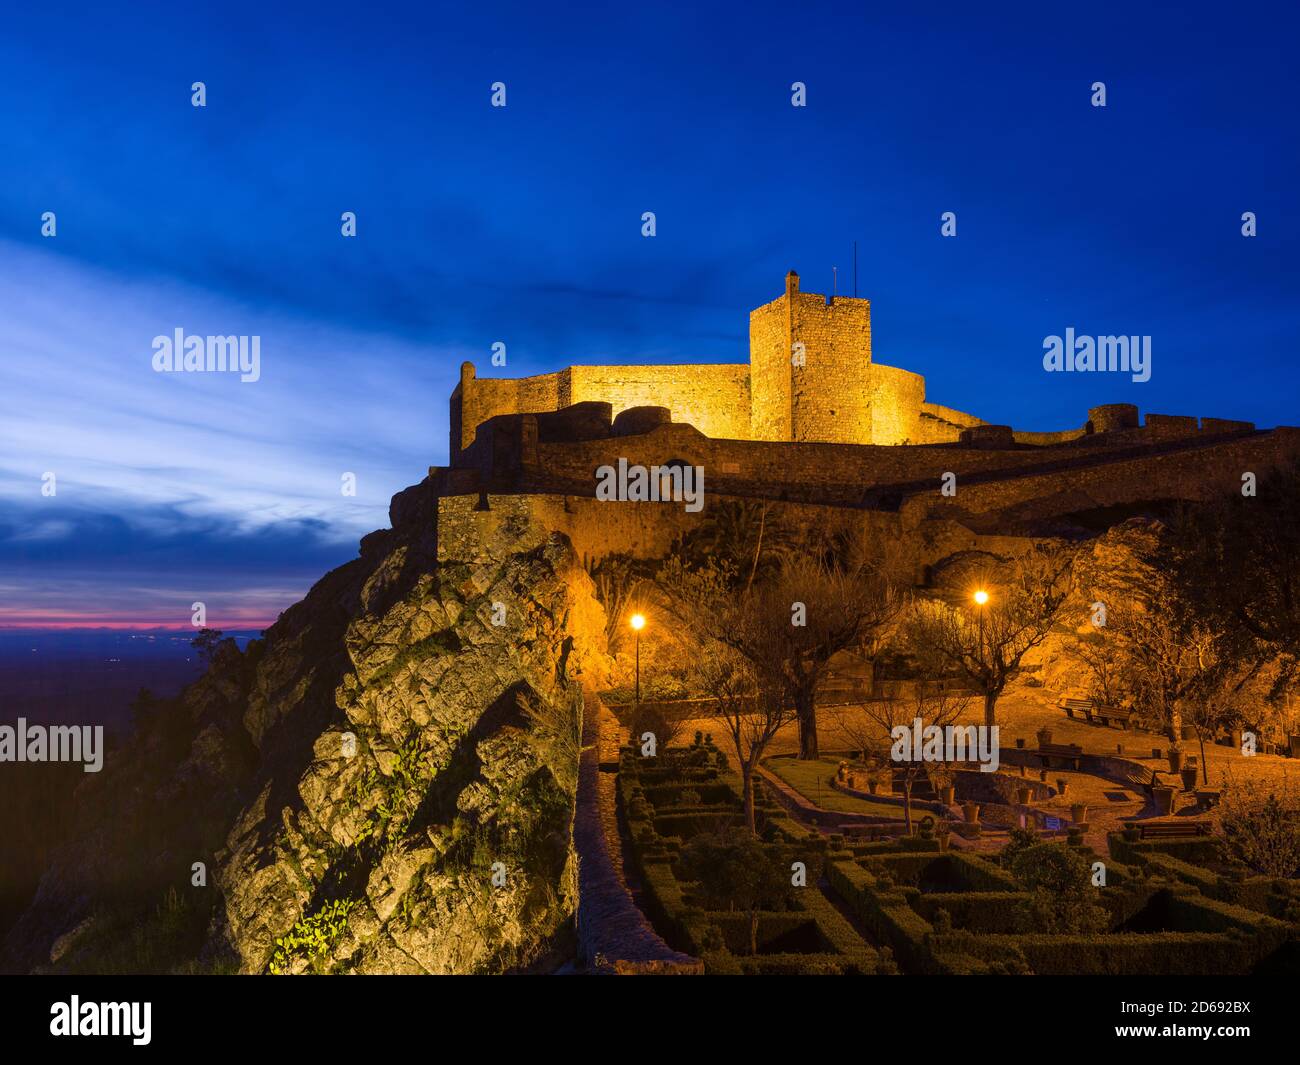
{"points": [[811, 377], [813, 422]]}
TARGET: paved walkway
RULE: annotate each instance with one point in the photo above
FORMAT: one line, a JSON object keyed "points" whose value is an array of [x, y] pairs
{"points": [[613, 934]]}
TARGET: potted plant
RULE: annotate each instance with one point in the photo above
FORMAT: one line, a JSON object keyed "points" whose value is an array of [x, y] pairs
{"points": [[1189, 777], [1061, 785], [944, 781], [1175, 759], [1044, 736], [1022, 795], [1079, 813], [1164, 798], [971, 811]]}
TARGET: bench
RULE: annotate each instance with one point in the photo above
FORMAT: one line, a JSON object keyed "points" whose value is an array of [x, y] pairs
{"points": [[1117, 714], [1208, 798], [1172, 829], [1068, 754], [1091, 710], [1076, 706]]}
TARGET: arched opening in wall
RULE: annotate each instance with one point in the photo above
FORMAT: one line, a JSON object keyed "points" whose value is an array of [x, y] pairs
{"points": [[673, 479], [1088, 429]]}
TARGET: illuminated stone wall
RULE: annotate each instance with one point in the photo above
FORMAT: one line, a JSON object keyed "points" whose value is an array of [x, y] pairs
{"points": [[838, 395], [712, 397]]}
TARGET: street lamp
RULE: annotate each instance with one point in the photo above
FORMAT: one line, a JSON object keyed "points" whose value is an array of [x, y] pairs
{"points": [[981, 597], [637, 621]]}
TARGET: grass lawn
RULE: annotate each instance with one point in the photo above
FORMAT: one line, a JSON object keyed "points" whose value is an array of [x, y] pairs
{"points": [[811, 779]]}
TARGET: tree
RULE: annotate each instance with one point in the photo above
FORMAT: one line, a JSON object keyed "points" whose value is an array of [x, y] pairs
{"points": [[734, 871], [1176, 661], [1234, 561], [1100, 656], [984, 643], [753, 716], [741, 534], [1261, 824], [1062, 900], [871, 728], [616, 578], [206, 643]]}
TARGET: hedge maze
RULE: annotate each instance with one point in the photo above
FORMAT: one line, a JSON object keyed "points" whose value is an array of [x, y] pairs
{"points": [[913, 905]]}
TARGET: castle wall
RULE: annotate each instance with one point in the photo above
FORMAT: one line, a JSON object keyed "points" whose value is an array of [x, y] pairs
{"points": [[1193, 473], [713, 397], [476, 399], [833, 473], [896, 399]]}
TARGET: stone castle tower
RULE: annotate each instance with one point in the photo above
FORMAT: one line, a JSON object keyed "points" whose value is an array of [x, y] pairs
{"points": [[811, 377], [810, 368]]}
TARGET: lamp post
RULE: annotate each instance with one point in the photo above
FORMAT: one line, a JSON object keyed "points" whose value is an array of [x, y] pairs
{"points": [[981, 597], [637, 621]]}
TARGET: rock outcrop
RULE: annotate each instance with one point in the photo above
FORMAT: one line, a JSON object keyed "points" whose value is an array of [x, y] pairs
{"points": [[384, 783]]}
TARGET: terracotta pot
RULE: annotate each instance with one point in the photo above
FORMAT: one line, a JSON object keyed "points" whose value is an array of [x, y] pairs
{"points": [[1062, 786], [949, 795], [1175, 760], [1042, 775], [873, 785], [1164, 799], [1079, 813], [971, 810], [1189, 778], [1044, 737], [1022, 795]]}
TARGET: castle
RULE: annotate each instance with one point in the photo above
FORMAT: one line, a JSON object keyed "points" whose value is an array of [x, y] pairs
{"points": [[810, 378], [813, 422]]}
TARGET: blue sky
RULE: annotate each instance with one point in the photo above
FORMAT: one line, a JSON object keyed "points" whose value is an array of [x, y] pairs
{"points": [[522, 225]]}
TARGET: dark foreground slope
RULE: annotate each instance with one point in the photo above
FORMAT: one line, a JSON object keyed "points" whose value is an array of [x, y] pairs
{"points": [[385, 783]]}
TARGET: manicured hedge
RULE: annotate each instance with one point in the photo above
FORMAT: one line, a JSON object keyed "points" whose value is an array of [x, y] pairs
{"points": [[1194, 849], [887, 914], [649, 792], [974, 911], [1154, 954]]}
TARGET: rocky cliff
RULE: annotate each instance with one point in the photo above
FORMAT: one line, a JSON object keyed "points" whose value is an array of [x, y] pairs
{"points": [[384, 783]]}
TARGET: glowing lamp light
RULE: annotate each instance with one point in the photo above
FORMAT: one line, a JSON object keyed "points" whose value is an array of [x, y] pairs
{"points": [[637, 622], [981, 597]]}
